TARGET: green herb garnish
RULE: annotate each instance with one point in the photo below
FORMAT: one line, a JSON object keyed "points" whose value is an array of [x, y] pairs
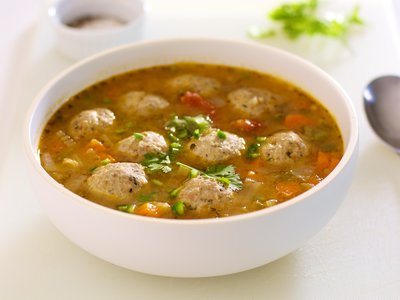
{"points": [[156, 162], [224, 174], [146, 198], [129, 208], [105, 162], [221, 134], [187, 127], [301, 18], [253, 151], [138, 136], [178, 208]]}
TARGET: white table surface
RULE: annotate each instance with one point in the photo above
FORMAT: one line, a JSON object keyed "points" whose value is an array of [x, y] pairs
{"points": [[357, 255]]}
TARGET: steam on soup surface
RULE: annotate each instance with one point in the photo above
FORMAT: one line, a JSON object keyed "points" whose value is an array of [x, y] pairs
{"points": [[190, 141]]}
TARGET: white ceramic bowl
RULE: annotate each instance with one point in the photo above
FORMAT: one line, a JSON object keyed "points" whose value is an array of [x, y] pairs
{"points": [[192, 248], [77, 43]]}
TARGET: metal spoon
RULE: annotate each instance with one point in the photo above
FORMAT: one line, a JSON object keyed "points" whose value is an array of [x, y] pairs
{"points": [[382, 106]]}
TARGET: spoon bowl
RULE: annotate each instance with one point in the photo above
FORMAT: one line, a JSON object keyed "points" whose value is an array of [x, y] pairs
{"points": [[382, 106]]}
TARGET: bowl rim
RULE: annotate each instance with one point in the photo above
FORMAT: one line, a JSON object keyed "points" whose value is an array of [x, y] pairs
{"points": [[349, 151]]}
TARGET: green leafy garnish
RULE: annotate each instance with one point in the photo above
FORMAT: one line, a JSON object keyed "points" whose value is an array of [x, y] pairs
{"points": [[223, 174], [178, 208], [128, 208], [301, 18], [156, 162], [253, 151], [138, 136], [221, 134], [146, 198], [186, 127], [105, 162]]}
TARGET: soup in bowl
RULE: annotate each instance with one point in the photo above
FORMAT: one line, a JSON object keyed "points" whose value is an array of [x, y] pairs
{"points": [[228, 153]]}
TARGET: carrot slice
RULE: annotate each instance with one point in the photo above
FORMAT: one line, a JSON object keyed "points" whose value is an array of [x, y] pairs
{"points": [[326, 162], [297, 121], [155, 210], [246, 125], [288, 189]]}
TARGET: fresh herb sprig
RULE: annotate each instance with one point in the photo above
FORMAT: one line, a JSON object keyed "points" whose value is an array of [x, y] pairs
{"points": [[187, 127], [302, 18], [157, 162], [222, 173]]}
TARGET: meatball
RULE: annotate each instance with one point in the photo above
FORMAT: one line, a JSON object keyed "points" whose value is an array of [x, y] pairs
{"points": [[211, 148], [284, 147], [205, 86], [142, 104], [89, 123], [117, 181], [203, 193], [251, 102], [135, 147]]}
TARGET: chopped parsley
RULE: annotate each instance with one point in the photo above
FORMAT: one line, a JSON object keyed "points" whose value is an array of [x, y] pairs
{"points": [[146, 198], [138, 136], [156, 162], [187, 127], [253, 151], [221, 134], [128, 208], [223, 174], [302, 18], [178, 208]]}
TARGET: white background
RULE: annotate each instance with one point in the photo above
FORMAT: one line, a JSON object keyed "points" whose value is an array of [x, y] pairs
{"points": [[357, 255]]}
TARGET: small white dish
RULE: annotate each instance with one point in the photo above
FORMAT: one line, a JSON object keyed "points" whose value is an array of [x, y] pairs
{"points": [[84, 27]]}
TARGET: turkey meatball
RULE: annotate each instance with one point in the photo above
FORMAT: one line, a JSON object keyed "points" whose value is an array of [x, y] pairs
{"points": [[204, 86], [284, 147], [135, 147], [90, 123], [117, 181], [212, 148], [203, 193], [251, 102], [142, 104]]}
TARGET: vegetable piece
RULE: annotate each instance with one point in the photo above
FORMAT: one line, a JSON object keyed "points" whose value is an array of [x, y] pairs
{"points": [[96, 145], [156, 162], [178, 208], [187, 126], [297, 121], [301, 18], [154, 209], [174, 149], [224, 174], [196, 100], [326, 162], [138, 136], [129, 208], [157, 182], [288, 189], [146, 198], [246, 125], [252, 151], [221, 134]]}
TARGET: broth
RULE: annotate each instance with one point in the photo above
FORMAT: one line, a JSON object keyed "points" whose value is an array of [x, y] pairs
{"points": [[202, 141]]}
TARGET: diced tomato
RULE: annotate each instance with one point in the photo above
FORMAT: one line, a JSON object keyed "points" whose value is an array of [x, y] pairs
{"points": [[196, 100], [246, 125]]}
